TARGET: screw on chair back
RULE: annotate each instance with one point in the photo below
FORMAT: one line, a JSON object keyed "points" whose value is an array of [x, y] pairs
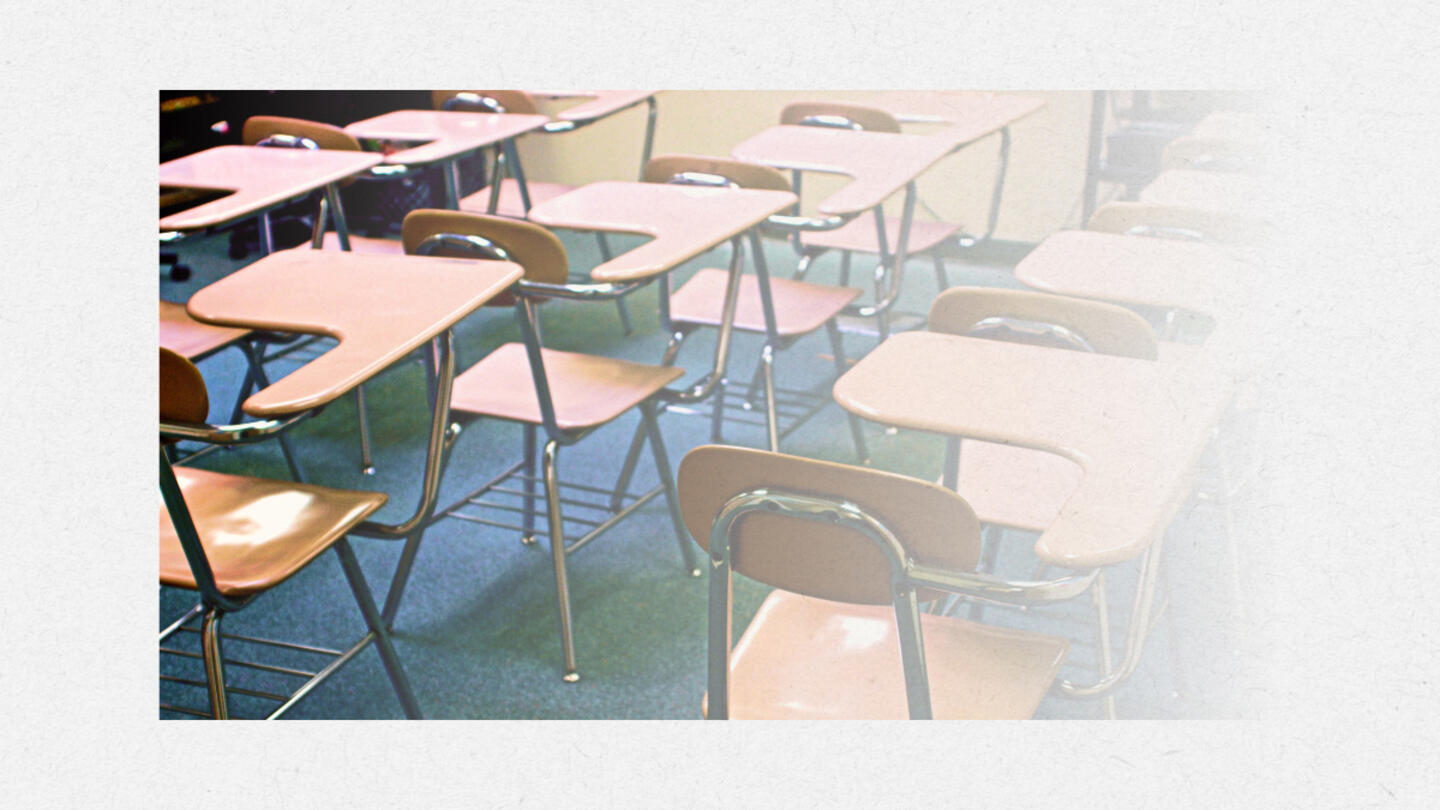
{"points": [[1040, 318], [259, 128], [935, 526], [840, 115], [510, 101]]}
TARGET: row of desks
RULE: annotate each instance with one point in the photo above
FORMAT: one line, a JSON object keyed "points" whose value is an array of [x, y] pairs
{"points": [[1136, 428]]}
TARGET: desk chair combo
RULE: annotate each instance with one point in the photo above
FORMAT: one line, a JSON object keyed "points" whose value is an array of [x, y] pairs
{"points": [[232, 538], [859, 235], [568, 395], [515, 195], [1086, 519], [852, 554], [784, 311], [1014, 487]]}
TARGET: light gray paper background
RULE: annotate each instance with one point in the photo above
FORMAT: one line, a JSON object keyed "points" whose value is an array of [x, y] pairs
{"points": [[1342, 552]]}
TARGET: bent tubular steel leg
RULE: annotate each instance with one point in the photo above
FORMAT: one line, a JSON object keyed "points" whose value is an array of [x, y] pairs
{"points": [[637, 442], [717, 415], [620, 306], [356, 578], [267, 235], [337, 216], [255, 376], [528, 524], [557, 555], [367, 464], [1104, 661], [995, 196], [857, 430], [767, 367], [214, 663], [667, 480], [401, 577], [1135, 634]]}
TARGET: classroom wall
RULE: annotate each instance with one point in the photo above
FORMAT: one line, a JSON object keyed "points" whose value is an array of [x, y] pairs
{"points": [[1042, 190]]}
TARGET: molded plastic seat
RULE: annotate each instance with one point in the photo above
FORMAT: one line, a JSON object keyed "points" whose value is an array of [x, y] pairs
{"points": [[800, 307], [257, 532], [859, 236], [804, 658], [190, 338], [588, 391]]}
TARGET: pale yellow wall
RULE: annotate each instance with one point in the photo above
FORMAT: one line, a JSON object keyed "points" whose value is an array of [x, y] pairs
{"points": [[1042, 192]]}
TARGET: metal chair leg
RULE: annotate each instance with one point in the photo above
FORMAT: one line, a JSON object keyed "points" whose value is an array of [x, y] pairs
{"points": [[942, 280], [1104, 661], [667, 480], [717, 414], [804, 265], [767, 367], [627, 469], [844, 268], [557, 556], [990, 538], [255, 377], [624, 309], [857, 431], [632, 456], [356, 578], [401, 577], [528, 538], [367, 465], [214, 663], [756, 380]]}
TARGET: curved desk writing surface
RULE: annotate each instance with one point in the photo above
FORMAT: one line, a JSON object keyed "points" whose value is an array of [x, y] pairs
{"points": [[258, 178], [597, 104], [878, 163], [379, 307], [682, 221], [1137, 428], [1140, 271], [446, 135]]}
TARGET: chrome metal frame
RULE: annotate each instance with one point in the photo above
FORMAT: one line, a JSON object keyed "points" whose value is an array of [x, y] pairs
{"points": [[906, 577], [215, 605], [561, 546], [1142, 618], [440, 373]]}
